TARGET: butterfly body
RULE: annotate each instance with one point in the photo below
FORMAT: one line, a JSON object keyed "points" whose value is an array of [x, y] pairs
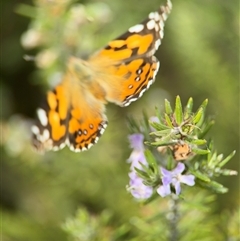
{"points": [[73, 113]]}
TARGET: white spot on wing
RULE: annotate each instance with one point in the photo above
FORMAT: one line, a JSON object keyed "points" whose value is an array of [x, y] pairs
{"points": [[157, 16], [137, 78], [157, 44], [164, 15], [46, 134], [35, 130], [136, 28], [104, 125], [62, 145], [151, 15], [90, 145], [151, 24], [161, 24], [157, 68], [42, 115], [67, 142], [55, 148], [141, 93], [149, 83], [161, 33], [102, 130], [139, 71]]}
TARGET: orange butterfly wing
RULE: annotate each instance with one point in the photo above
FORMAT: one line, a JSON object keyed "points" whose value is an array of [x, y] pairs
{"points": [[133, 56], [72, 114]]}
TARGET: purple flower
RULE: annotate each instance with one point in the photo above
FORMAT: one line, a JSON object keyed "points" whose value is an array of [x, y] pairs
{"points": [[137, 156], [136, 141], [174, 177], [137, 188]]}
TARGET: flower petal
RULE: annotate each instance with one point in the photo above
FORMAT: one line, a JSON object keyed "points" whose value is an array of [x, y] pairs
{"points": [[178, 169], [136, 141], [188, 179], [166, 180], [165, 172], [163, 191], [139, 190], [135, 158], [177, 187]]}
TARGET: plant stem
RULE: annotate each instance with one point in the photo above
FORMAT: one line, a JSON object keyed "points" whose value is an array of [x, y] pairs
{"points": [[173, 218]]}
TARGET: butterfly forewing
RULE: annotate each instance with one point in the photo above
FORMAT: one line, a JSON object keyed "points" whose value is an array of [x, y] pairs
{"points": [[141, 39], [133, 56]]}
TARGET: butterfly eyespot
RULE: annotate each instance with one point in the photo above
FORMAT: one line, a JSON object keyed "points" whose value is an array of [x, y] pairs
{"points": [[139, 71], [91, 126], [78, 133], [137, 78], [130, 86], [85, 132]]}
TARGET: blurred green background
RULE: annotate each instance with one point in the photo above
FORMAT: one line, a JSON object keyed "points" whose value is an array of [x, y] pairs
{"points": [[199, 59]]}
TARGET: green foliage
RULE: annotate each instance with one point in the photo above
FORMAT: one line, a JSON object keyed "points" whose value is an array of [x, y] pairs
{"points": [[212, 167], [191, 214], [179, 131], [40, 193], [86, 227], [179, 126]]}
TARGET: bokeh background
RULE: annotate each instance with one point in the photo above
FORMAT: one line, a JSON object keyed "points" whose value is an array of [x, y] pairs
{"points": [[199, 58]]}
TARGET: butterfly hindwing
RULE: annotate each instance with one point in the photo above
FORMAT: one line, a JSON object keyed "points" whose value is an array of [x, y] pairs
{"points": [[87, 120], [130, 80], [71, 116], [142, 75]]}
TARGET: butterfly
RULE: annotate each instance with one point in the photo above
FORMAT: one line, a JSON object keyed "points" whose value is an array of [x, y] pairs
{"points": [[73, 113]]}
